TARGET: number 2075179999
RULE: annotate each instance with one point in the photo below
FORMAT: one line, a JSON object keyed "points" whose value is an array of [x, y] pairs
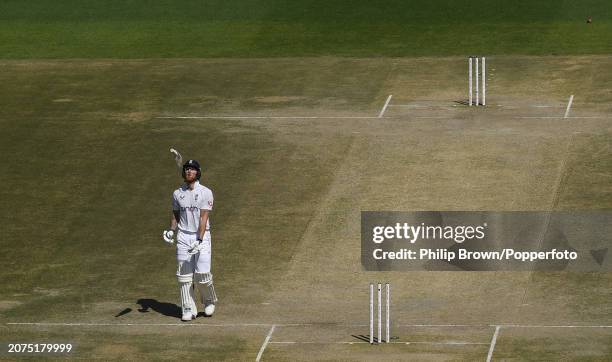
{"points": [[28, 348]]}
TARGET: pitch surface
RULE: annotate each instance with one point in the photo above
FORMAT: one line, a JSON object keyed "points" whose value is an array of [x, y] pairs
{"points": [[87, 179]]}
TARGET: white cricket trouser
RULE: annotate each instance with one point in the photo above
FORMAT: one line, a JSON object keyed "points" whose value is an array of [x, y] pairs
{"points": [[199, 263]]}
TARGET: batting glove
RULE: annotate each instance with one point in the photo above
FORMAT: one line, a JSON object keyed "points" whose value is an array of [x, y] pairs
{"points": [[168, 236], [197, 247]]}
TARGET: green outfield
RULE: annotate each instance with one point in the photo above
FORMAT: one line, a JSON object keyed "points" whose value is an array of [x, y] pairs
{"points": [[277, 28]]}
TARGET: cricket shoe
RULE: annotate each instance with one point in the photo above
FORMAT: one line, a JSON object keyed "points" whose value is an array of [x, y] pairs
{"points": [[209, 310], [188, 316]]}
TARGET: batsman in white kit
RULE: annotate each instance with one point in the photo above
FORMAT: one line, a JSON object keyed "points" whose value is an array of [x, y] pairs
{"points": [[191, 206]]}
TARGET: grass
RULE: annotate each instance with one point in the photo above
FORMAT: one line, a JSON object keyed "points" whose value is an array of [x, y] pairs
{"points": [[100, 209], [275, 28], [105, 200]]}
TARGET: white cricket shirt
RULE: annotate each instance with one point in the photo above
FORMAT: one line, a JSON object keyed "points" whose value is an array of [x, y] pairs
{"points": [[189, 203]]}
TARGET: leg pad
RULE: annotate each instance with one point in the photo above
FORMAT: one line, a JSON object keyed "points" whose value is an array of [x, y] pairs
{"points": [[206, 288]]}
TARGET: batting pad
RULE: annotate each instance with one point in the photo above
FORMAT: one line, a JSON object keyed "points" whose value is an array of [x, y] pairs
{"points": [[205, 281]]}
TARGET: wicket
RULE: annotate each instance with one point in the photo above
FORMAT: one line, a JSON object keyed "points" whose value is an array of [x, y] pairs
{"points": [[387, 313], [481, 75]]}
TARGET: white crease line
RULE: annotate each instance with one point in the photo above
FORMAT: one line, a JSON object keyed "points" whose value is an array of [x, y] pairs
{"points": [[266, 117], [531, 106], [551, 326], [422, 106], [420, 325], [538, 117], [446, 343], [550, 117], [505, 325], [301, 325], [433, 117], [384, 108], [569, 105], [444, 325], [265, 344], [157, 324], [363, 117], [493, 341], [363, 342]]}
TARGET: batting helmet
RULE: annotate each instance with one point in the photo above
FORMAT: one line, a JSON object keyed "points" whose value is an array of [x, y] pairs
{"points": [[192, 164]]}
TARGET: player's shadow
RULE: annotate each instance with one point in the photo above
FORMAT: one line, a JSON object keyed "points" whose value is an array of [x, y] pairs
{"points": [[167, 309], [364, 338]]}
